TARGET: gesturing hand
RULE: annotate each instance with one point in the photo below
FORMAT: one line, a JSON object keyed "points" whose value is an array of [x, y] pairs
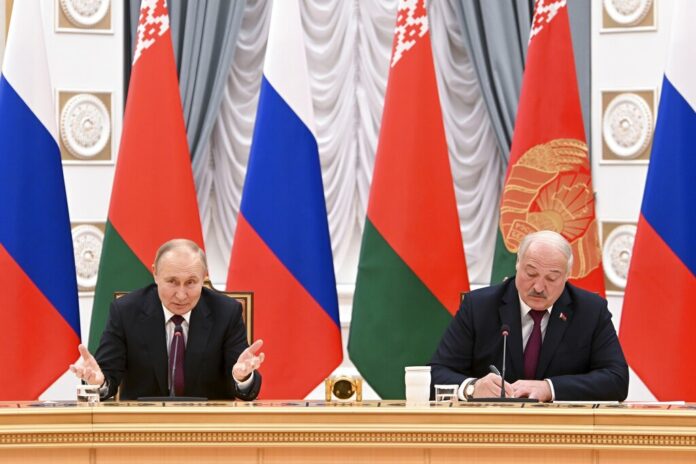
{"points": [[87, 368], [248, 362]]}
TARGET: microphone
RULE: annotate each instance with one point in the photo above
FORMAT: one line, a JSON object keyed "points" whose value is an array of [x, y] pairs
{"points": [[177, 337], [504, 332]]}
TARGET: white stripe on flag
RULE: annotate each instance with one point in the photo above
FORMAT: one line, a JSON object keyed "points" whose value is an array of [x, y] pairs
{"points": [[286, 61], [28, 76]]}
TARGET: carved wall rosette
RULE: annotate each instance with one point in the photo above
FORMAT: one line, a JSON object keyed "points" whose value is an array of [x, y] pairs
{"points": [[627, 125], [87, 245], [85, 126], [628, 15], [83, 15]]}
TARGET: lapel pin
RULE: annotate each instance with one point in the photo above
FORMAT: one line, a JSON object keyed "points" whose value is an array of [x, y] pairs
{"points": [[563, 317]]}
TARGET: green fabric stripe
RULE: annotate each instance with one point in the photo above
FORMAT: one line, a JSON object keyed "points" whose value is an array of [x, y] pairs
{"points": [[503, 261], [396, 320], [119, 270]]}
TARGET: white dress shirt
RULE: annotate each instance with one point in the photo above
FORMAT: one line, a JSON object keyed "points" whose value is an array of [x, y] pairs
{"points": [[169, 327]]}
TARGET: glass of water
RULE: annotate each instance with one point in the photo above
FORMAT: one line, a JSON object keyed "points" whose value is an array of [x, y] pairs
{"points": [[446, 393], [88, 395]]}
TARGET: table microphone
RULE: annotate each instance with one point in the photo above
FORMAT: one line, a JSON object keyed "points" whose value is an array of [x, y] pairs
{"points": [[504, 331], [172, 391], [173, 372]]}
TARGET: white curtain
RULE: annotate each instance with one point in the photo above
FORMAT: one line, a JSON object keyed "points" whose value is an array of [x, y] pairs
{"points": [[348, 50]]}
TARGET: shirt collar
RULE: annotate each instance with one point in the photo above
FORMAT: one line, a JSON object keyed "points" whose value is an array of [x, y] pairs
{"points": [[524, 308], [168, 315]]}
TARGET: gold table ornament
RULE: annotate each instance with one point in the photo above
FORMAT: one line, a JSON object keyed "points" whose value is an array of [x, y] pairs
{"points": [[343, 388]]}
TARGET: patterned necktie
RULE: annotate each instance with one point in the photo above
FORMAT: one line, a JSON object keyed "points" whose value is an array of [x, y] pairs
{"points": [[177, 350], [533, 348]]}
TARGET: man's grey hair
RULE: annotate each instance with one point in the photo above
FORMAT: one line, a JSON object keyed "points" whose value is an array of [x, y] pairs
{"points": [[551, 238], [181, 243]]}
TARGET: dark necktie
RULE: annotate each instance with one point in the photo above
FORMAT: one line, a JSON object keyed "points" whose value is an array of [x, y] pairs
{"points": [[533, 348], [177, 349]]}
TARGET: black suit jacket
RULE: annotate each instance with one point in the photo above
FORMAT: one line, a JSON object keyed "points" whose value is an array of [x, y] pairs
{"points": [[133, 347], [580, 353]]}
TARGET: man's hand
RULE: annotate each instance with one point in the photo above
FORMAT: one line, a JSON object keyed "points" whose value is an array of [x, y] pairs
{"points": [[86, 368], [248, 362], [489, 387], [536, 389]]}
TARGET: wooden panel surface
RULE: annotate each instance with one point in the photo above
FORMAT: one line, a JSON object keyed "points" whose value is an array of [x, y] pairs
{"points": [[302, 431]]}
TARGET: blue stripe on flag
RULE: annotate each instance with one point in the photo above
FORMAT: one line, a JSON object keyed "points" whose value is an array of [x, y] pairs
{"points": [[283, 197], [669, 201], [34, 221]]}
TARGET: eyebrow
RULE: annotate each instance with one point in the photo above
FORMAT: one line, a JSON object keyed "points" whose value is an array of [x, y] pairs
{"points": [[531, 266]]}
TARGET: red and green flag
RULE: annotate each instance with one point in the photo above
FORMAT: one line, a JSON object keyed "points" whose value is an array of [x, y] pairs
{"points": [[153, 197], [548, 185], [412, 269]]}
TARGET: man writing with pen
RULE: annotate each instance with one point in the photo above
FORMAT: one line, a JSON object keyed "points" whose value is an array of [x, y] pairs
{"points": [[561, 343]]}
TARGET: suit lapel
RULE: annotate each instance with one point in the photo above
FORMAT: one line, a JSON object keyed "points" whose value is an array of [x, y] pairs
{"points": [[560, 318], [153, 336], [200, 327], [510, 314]]}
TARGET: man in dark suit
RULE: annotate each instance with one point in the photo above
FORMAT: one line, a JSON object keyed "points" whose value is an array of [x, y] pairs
{"points": [[137, 343], [576, 354]]}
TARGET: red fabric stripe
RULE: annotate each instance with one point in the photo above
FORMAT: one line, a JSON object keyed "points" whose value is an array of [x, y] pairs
{"points": [[549, 105], [154, 198], [301, 342], [412, 201], [37, 344], [658, 318], [549, 110]]}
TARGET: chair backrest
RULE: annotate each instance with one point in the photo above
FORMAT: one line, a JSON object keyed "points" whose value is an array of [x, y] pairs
{"points": [[246, 299]]}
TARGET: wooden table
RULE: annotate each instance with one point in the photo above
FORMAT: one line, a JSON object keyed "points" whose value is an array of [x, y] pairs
{"points": [[371, 431]]}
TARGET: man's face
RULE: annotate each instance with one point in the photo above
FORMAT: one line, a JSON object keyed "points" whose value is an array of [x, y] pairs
{"points": [[541, 275], [179, 277]]}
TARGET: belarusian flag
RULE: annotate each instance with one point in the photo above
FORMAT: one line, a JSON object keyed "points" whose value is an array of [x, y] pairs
{"points": [[412, 267], [153, 198], [548, 184]]}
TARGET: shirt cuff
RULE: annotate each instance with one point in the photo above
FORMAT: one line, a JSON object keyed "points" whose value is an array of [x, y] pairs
{"points": [[246, 385], [462, 387], [553, 392], [104, 389]]}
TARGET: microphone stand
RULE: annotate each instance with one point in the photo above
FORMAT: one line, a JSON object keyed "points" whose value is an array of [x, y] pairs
{"points": [[502, 377], [504, 331], [172, 392]]}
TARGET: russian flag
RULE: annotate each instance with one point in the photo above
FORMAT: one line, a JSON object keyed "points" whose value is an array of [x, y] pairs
{"points": [[658, 318], [282, 248], [39, 313]]}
